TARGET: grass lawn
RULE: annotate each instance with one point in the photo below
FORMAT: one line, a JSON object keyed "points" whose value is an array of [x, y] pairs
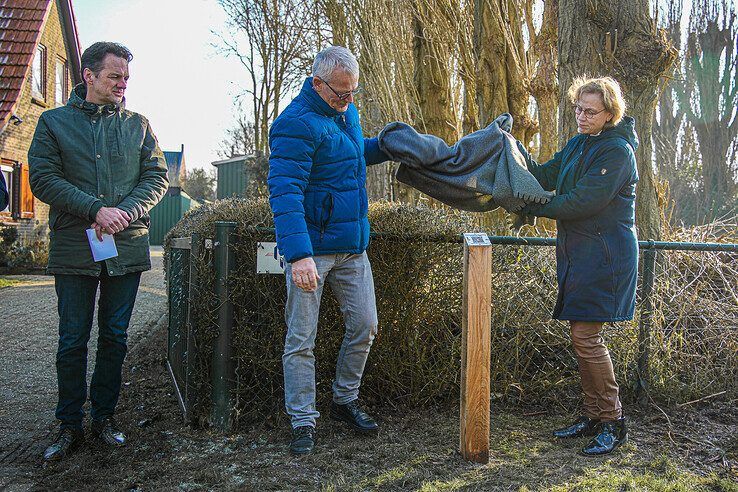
{"points": [[6, 282]]}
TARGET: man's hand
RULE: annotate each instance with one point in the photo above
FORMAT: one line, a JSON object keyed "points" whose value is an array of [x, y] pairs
{"points": [[111, 220], [305, 275]]}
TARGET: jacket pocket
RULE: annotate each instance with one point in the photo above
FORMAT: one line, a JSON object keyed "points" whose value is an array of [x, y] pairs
{"points": [[605, 249], [326, 212]]}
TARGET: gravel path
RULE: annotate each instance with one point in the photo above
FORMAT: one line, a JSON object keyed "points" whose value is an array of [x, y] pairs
{"points": [[28, 339]]}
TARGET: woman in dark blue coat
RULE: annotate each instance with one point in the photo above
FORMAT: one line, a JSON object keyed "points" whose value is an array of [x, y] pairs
{"points": [[595, 178]]}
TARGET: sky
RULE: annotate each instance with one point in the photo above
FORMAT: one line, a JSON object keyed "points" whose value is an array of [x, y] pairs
{"points": [[177, 78]]}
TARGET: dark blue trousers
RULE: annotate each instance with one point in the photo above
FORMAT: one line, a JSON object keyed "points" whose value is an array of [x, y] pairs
{"points": [[76, 294]]}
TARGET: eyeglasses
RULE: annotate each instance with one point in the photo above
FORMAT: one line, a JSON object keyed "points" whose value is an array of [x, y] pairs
{"points": [[588, 113], [343, 95]]}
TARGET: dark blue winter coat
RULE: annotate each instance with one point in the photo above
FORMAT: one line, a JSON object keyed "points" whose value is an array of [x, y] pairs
{"points": [[317, 178], [596, 246]]}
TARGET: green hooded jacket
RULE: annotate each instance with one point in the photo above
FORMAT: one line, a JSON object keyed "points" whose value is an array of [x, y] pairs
{"points": [[84, 157]]}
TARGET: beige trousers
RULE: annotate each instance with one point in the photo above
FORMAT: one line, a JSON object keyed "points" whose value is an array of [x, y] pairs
{"points": [[601, 399]]}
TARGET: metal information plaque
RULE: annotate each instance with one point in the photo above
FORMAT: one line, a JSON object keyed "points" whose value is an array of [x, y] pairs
{"points": [[476, 239], [268, 259]]}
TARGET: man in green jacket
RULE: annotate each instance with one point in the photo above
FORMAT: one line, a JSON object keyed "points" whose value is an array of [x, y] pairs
{"points": [[98, 166]]}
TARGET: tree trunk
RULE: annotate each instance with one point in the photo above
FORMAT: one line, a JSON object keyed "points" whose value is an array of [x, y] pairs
{"points": [[336, 14], [502, 71], [544, 86], [618, 38], [432, 81]]}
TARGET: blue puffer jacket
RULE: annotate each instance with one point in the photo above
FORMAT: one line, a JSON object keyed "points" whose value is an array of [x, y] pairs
{"points": [[596, 246], [317, 178]]}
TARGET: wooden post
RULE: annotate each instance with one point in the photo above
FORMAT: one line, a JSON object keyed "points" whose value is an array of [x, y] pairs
{"points": [[475, 348]]}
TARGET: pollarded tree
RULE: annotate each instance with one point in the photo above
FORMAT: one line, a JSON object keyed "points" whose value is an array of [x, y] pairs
{"points": [[709, 97], [433, 50], [618, 38], [503, 73]]}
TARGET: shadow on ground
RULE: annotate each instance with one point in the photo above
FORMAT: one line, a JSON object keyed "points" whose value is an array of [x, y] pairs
{"points": [[697, 450]]}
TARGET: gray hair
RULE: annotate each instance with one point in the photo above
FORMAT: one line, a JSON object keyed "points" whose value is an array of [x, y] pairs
{"points": [[332, 58]]}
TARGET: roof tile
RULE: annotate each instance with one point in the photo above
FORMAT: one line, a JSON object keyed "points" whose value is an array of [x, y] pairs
{"points": [[20, 25]]}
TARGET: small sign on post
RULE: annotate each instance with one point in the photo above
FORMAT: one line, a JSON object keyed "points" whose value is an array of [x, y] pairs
{"points": [[475, 348], [268, 259]]}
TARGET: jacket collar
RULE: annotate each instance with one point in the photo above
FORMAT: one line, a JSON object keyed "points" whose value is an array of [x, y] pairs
{"points": [[625, 129], [315, 101], [77, 100]]}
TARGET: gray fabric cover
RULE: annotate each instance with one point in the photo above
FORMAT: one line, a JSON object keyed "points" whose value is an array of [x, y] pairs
{"points": [[482, 171]]}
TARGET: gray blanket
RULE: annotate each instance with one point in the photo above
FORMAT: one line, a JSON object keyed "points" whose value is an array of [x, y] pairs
{"points": [[482, 171]]}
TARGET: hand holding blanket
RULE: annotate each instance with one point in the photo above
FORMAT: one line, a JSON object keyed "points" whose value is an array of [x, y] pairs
{"points": [[482, 171]]}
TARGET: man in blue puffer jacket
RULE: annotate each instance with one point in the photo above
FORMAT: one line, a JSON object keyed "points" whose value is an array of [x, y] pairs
{"points": [[317, 192]]}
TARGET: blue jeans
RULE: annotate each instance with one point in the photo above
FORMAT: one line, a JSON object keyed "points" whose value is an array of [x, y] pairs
{"points": [[76, 294], [350, 279]]}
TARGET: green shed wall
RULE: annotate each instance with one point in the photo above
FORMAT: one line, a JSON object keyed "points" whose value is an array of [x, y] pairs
{"points": [[165, 214], [231, 180]]}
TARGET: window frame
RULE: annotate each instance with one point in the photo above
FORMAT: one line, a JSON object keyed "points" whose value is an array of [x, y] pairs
{"points": [[40, 56], [61, 86]]}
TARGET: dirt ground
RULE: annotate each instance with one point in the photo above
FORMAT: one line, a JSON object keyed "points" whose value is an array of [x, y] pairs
{"points": [[694, 448], [28, 339]]}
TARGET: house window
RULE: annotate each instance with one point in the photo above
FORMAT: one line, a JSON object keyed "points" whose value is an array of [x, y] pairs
{"points": [[62, 85], [20, 198], [7, 169], [38, 77]]}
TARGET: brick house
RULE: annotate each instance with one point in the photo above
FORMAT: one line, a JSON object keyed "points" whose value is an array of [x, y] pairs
{"points": [[39, 65]]}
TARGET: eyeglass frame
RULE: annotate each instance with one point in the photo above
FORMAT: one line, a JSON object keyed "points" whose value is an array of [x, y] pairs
{"points": [[579, 110], [344, 95]]}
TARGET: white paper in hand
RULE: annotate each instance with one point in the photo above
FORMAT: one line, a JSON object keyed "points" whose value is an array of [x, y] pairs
{"points": [[101, 250]]}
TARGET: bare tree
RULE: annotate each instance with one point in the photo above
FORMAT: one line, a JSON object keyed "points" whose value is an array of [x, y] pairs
{"points": [[502, 70], [618, 38], [543, 62], [709, 97], [433, 46], [239, 140], [668, 121], [273, 40]]}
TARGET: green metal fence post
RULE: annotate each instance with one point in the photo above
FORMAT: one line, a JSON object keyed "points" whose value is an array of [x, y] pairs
{"points": [[223, 374], [646, 322], [191, 327]]}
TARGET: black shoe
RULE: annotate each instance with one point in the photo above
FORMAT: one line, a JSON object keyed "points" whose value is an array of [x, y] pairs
{"points": [[108, 432], [583, 426], [353, 415], [303, 440], [67, 441], [610, 435]]}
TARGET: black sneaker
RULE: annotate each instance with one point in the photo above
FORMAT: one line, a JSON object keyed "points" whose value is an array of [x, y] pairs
{"points": [[108, 432], [67, 441], [303, 440], [583, 426], [610, 435], [353, 415]]}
